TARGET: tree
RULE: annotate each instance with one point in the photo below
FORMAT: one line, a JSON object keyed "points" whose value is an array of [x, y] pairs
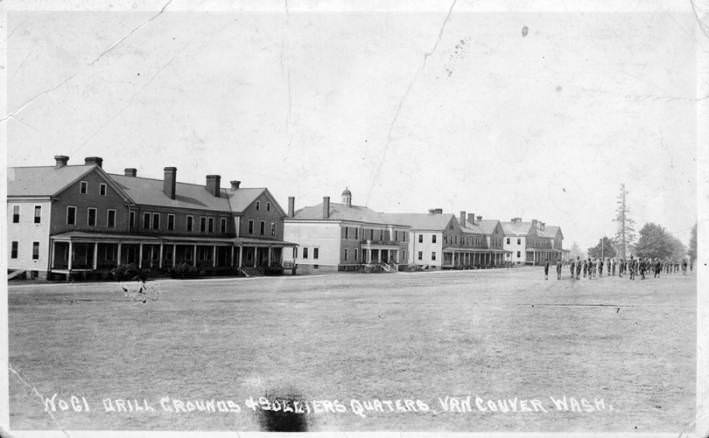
{"points": [[575, 251], [625, 237], [604, 249], [655, 242], [692, 251]]}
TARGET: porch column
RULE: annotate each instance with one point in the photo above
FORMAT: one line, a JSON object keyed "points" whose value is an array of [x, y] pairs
{"points": [[214, 255], [174, 255], [71, 255], [241, 255], [95, 262], [255, 256], [160, 260], [118, 254], [140, 256], [269, 256], [194, 255], [231, 259], [379, 256]]}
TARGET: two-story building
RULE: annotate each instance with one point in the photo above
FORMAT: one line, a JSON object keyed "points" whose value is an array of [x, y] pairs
{"points": [[84, 219], [342, 236], [532, 242]]}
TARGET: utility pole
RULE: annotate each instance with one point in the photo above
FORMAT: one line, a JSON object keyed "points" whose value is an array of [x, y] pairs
{"points": [[626, 232]]}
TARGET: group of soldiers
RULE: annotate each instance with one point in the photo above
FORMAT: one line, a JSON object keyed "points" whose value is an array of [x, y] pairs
{"points": [[643, 266]]}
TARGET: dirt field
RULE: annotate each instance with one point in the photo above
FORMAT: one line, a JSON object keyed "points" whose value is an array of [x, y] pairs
{"points": [[627, 348]]}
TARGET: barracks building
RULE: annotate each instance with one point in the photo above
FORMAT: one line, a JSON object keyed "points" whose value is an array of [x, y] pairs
{"points": [[64, 219]]}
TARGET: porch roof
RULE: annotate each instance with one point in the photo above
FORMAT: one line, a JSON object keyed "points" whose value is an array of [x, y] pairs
{"points": [[82, 236]]}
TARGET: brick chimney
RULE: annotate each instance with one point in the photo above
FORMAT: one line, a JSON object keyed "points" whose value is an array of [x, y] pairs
{"points": [[213, 182], [291, 206], [235, 184], [61, 160], [462, 218], [516, 220], [169, 181], [471, 218], [325, 207], [94, 160], [480, 218], [130, 171], [435, 211]]}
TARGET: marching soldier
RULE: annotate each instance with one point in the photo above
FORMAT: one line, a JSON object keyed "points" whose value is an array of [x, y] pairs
{"points": [[578, 267], [572, 268], [631, 268], [558, 269], [546, 270]]}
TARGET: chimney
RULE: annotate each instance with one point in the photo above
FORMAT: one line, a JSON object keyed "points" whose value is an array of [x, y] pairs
{"points": [[235, 184], [169, 181], [325, 207], [94, 160], [61, 160], [435, 211], [471, 218], [291, 206], [130, 171], [213, 182], [535, 223], [480, 218], [462, 218], [516, 220]]}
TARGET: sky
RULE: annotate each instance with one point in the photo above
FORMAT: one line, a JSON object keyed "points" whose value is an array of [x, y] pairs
{"points": [[534, 115]]}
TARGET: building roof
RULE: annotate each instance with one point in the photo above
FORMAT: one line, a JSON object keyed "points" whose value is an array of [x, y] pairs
{"points": [[149, 191], [241, 198], [488, 225], [549, 231], [43, 180], [423, 221], [516, 228], [341, 212]]}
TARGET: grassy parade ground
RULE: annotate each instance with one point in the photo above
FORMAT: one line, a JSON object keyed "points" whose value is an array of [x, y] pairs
{"points": [[500, 350]]}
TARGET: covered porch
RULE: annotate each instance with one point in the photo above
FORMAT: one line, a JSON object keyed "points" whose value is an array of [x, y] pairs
{"points": [[462, 258], [382, 253], [541, 256]]}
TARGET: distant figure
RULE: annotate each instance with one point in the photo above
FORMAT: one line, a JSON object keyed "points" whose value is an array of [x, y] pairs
{"points": [[658, 268], [578, 267], [546, 270], [643, 268], [631, 268], [600, 267], [572, 268], [684, 267], [585, 267], [558, 269]]}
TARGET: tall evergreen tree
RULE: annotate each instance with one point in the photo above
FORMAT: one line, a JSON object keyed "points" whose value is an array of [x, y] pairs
{"points": [[625, 236], [692, 250]]}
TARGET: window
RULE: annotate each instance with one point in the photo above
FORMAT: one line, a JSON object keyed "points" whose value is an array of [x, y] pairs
{"points": [[508, 240], [420, 238], [258, 205], [35, 250], [222, 225], [170, 222], [420, 255], [131, 219], [211, 224], [262, 227], [202, 224], [273, 229], [251, 226], [346, 232], [305, 253], [111, 218], [71, 215], [295, 252], [519, 241], [102, 189], [268, 206], [433, 238], [316, 252], [13, 251], [146, 221], [190, 223], [83, 187], [16, 214], [433, 255], [91, 217], [519, 254], [371, 234], [356, 232], [356, 252], [37, 214], [403, 238], [156, 221], [345, 254], [396, 235]]}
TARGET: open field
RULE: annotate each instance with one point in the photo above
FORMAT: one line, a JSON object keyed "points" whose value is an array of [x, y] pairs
{"points": [[498, 334]]}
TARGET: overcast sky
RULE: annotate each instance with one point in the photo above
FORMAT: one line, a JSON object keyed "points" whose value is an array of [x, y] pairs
{"points": [[410, 110]]}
